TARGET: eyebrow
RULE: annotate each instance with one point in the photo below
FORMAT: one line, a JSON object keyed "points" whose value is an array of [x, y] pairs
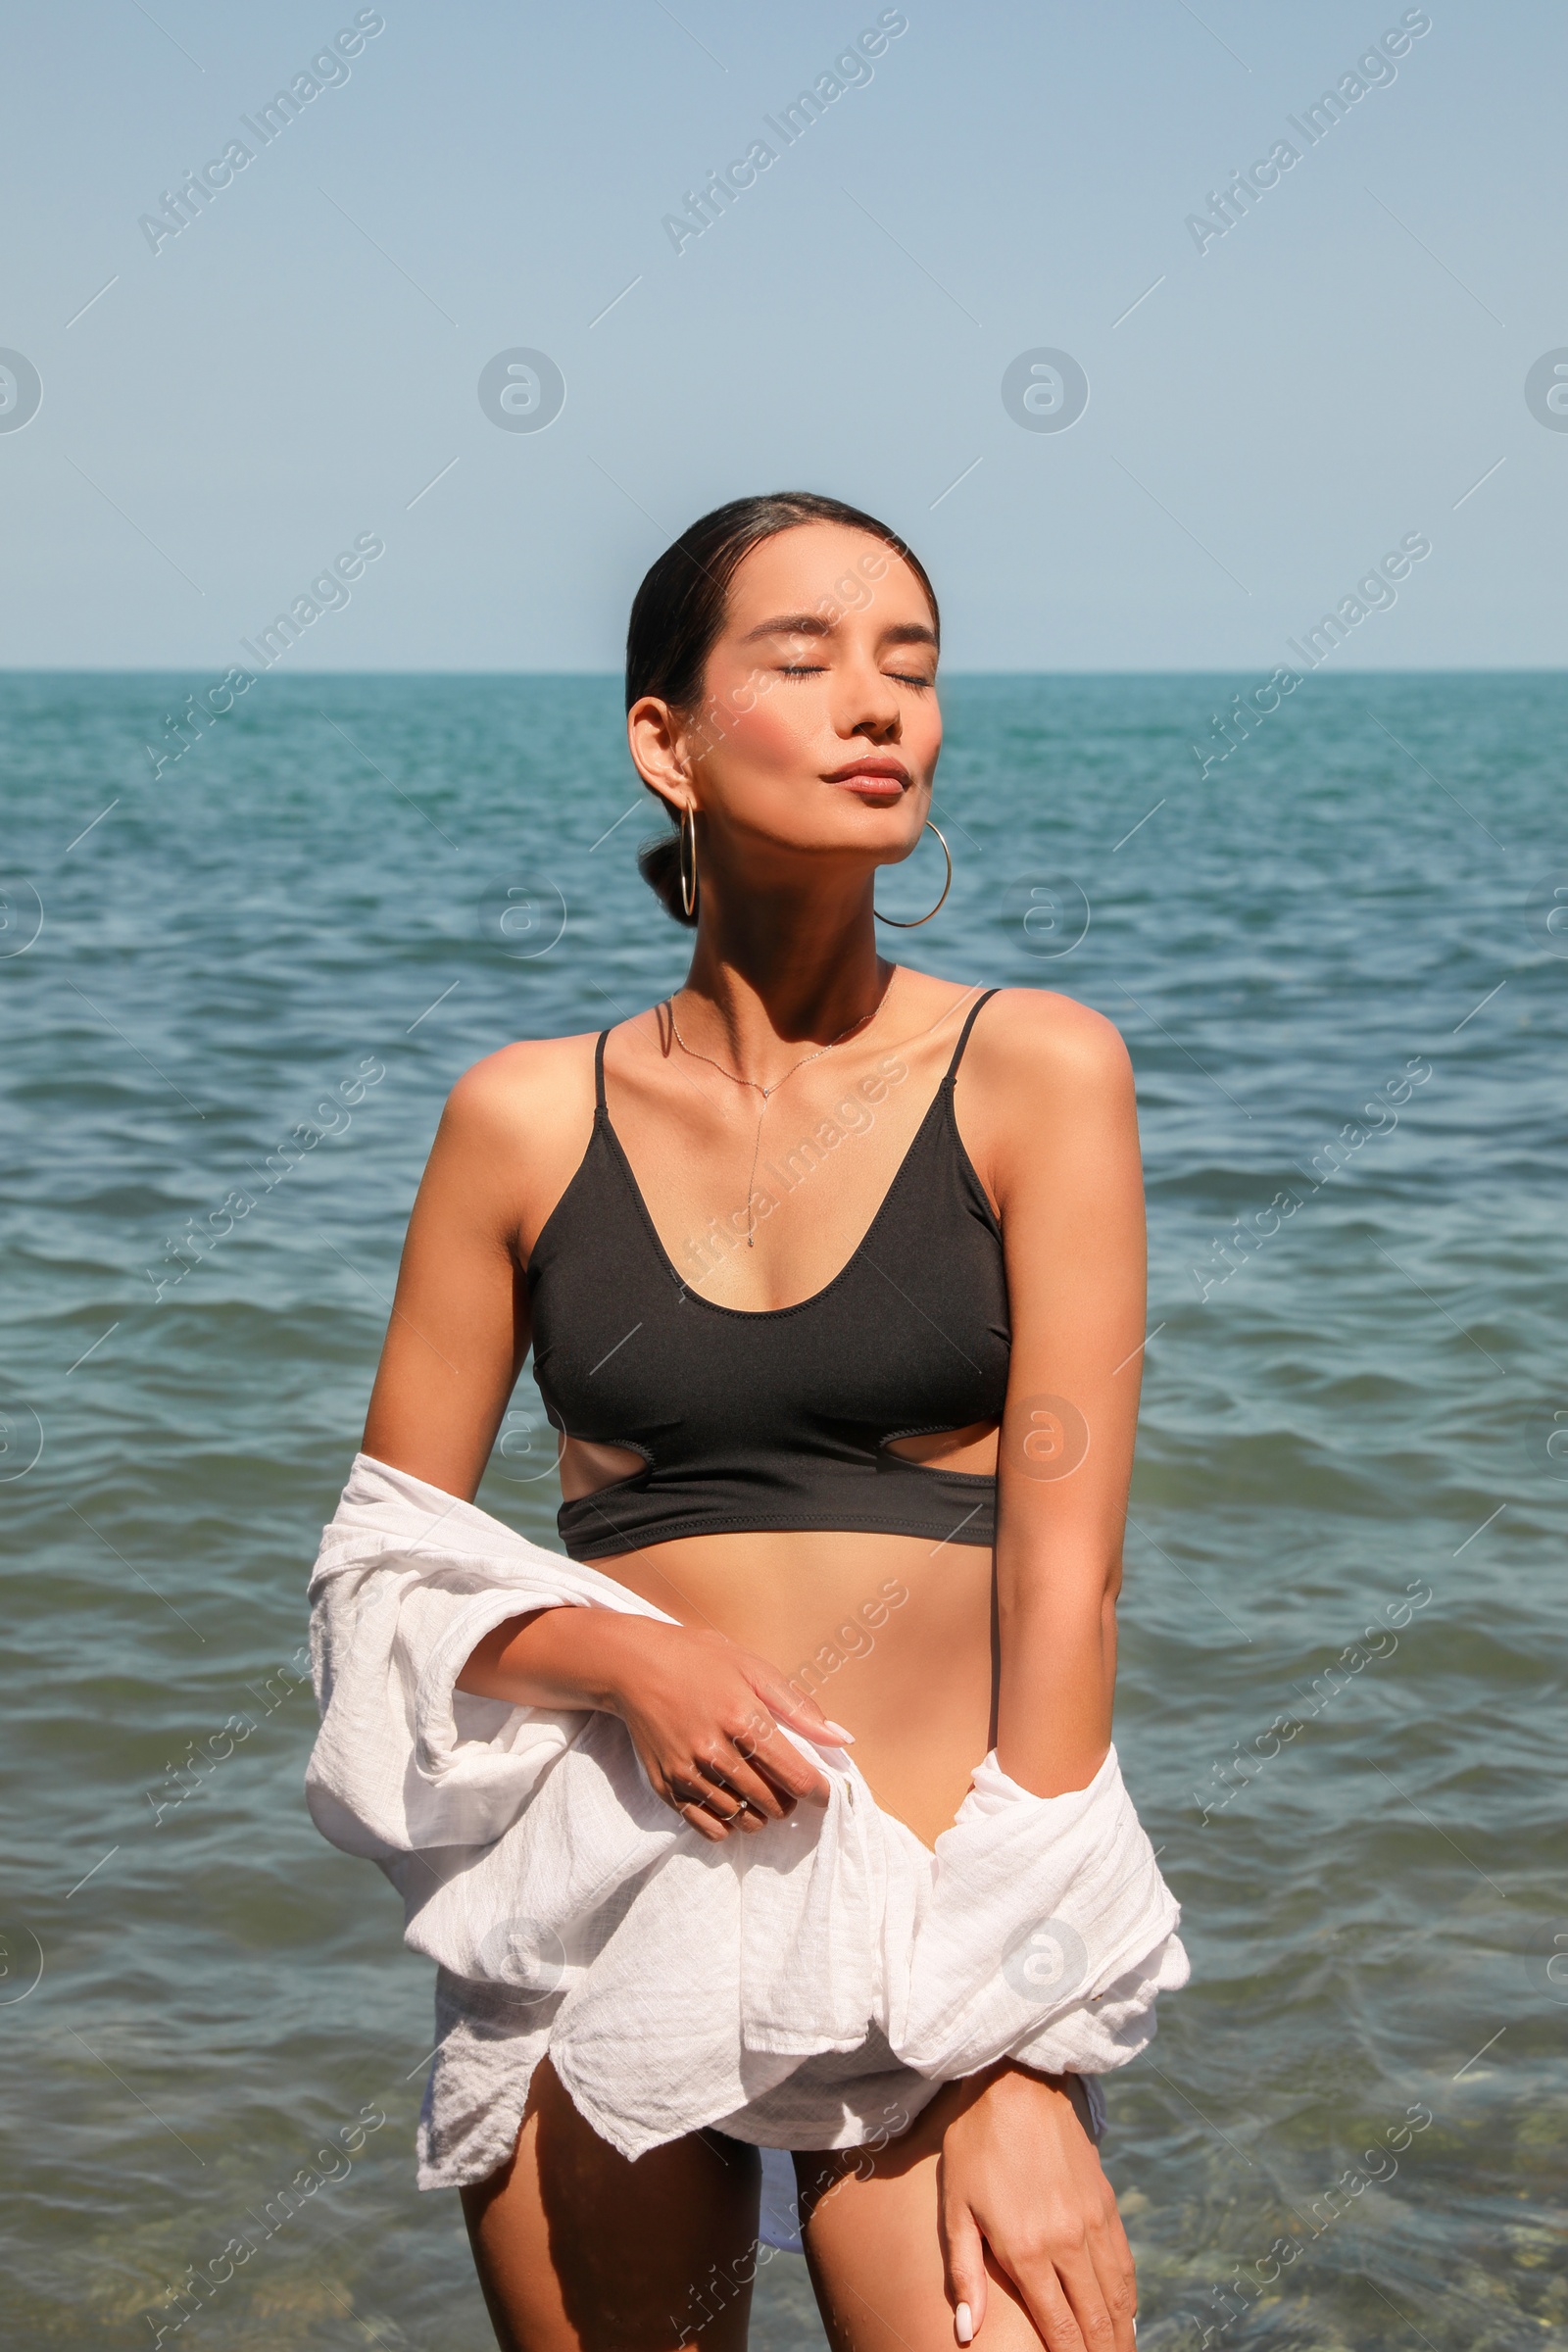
{"points": [[812, 624]]}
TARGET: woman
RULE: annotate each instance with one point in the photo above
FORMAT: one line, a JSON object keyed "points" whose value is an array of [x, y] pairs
{"points": [[845, 1383]]}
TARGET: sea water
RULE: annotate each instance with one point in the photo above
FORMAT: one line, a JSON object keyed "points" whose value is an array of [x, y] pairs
{"points": [[238, 984]]}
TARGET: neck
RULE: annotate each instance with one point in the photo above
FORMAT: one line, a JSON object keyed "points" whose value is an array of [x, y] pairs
{"points": [[781, 972]]}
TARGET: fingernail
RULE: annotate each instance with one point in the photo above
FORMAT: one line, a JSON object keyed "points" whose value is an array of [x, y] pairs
{"points": [[963, 2325], [845, 1738]]}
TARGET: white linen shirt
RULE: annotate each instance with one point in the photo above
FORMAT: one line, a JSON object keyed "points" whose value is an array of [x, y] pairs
{"points": [[680, 1984]]}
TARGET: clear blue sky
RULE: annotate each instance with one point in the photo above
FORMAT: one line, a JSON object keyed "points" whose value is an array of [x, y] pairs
{"points": [[292, 368]]}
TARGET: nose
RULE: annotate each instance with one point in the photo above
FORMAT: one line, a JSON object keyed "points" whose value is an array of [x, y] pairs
{"points": [[867, 703]]}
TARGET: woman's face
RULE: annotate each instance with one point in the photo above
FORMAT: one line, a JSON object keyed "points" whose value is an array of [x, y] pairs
{"points": [[820, 728]]}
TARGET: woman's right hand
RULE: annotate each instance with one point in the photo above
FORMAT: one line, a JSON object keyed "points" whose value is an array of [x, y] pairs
{"points": [[704, 1714]]}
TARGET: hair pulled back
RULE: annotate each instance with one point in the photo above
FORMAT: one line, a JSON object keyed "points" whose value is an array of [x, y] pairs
{"points": [[678, 612]]}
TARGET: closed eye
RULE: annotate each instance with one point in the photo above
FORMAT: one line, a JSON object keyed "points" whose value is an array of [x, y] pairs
{"points": [[815, 669]]}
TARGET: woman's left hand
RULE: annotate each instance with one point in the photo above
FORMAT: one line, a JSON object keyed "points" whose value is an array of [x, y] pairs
{"points": [[1020, 2174]]}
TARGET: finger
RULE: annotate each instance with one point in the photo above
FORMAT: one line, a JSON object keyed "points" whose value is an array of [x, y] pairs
{"points": [[758, 1743], [698, 1802], [1044, 2299], [746, 1741], [698, 1818], [787, 1768], [1080, 2283], [803, 1715], [963, 2260], [826, 1733], [1112, 2259], [732, 1774], [721, 1804], [739, 1816]]}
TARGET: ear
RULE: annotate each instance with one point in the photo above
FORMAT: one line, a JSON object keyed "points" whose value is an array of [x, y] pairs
{"points": [[660, 752]]}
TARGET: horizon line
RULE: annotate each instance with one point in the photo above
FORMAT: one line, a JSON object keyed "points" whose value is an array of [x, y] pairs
{"points": [[67, 669]]}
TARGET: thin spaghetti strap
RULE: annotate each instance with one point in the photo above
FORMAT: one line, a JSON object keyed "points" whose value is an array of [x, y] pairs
{"points": [[598, 1072], [964, 1034]]}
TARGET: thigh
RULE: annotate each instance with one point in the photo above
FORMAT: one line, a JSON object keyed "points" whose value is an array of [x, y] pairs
{"points": [[875, 2256], [580, 2251]]}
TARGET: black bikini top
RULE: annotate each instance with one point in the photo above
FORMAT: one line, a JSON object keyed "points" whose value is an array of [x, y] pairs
{"points": [[779, 1417]]}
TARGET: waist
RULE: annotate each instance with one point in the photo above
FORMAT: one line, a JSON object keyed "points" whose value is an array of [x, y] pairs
{"points": [[887, 1633]]}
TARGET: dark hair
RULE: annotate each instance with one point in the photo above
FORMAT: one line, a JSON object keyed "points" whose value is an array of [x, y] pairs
{"points": [[679, 610]]}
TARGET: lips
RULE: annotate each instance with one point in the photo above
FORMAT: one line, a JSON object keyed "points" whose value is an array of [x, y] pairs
{"points": [[886, 778]]}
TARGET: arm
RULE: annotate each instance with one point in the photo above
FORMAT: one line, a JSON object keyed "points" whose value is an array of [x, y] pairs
{"points": [[1069, 1185], [703, 1713], [459, 1328], [1019, 2173]]}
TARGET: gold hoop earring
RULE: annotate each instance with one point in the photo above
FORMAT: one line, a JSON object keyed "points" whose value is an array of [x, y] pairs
{"points": [[688, 890], [900, 925]]}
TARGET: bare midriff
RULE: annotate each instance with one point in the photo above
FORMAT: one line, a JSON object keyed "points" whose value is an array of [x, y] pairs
{"points": [[891, 1636]]}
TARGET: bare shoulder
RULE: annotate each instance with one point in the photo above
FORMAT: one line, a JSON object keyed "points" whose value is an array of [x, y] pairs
{"points": [[514, 1127], [1048, 1108], [530, 1084], [1031, 1039]]}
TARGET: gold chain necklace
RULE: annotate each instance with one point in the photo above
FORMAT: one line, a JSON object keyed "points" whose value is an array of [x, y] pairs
{"points": [[767, 1092]]}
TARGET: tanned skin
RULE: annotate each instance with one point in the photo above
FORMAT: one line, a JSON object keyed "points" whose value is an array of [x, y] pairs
{"points": [[809, 768]]}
